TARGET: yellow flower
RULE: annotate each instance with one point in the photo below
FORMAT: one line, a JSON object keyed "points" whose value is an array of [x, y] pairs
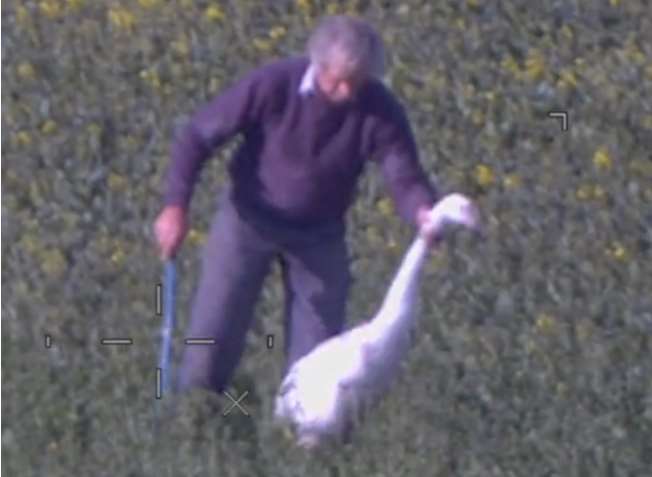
{"points": [[53, 263], [567, 32], [277, 32], [117, 182], [332, 8], [373, 236], [599, 193], [477, 117], [303, 5], [617, 251], [181, 46], [535, 65], [490, 95], [151, 78], [122, 18], [50, 8], [546, 323], [614, 3], [118, 257], [48, 127], [385, 206], [22, 15], [148, 3], [634, 54], [484, 176], [262, 45], [354, 7], [195, 237], [23, 138], [214, 85], [94, 129], [567, 79], [30, 244], [26, 71], [561, 388], [512, 181], [601, 159], [75, 4], [509, 63], [620, 253], [214, 13], [584, 192]]}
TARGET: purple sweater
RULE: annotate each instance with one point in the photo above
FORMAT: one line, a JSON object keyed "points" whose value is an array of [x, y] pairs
{"points": [[301, 155]]}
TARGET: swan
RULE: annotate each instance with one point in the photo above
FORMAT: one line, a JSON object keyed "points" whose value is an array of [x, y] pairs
{"points": [[325, 392]]}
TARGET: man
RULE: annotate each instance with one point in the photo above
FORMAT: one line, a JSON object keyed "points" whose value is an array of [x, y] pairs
{"points": [[309, 125]]}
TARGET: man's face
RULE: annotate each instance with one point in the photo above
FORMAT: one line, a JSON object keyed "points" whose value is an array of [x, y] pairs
{"points": [[337, 83]]}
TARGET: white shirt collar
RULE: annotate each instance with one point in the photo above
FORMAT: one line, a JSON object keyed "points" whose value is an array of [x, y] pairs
{"points": [[308, 81]]}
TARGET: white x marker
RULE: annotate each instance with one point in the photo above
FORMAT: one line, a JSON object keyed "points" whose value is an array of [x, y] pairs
{"points": [[236, 403]]}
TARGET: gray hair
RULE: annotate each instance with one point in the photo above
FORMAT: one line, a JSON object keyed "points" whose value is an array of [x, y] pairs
{"points": [[349, 40]]}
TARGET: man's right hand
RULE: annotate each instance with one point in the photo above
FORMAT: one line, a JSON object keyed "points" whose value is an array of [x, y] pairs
{"points": [[170, 229]]}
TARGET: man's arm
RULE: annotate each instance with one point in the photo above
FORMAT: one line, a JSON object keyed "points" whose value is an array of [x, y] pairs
{"points": [[232, 111], [396, 153]]}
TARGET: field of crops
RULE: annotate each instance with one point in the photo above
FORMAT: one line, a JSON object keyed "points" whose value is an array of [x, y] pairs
{"points": [[532, 356]]}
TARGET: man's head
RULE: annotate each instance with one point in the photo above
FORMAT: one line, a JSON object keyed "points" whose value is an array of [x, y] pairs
{"points": [[345, 52]]}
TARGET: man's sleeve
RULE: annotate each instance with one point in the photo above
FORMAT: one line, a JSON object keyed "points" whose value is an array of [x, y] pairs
{"points": [[396, 152], [232, 111]]}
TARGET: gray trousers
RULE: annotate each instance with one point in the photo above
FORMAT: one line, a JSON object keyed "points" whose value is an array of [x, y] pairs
{"points": [[236, 259]]}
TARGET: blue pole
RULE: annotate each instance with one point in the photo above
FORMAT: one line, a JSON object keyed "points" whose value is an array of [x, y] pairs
{"points": [[169, 308]]}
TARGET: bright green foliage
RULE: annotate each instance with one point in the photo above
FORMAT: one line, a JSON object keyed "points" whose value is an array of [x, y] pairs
{"points": [[532, 356]]}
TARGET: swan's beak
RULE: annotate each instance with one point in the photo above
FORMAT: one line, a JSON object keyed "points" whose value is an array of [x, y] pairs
{"points": [[454, 209], [475, 225], [479, 232]]}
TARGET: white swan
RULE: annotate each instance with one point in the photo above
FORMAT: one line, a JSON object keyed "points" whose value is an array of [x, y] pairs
{"points": [[325, 392]]}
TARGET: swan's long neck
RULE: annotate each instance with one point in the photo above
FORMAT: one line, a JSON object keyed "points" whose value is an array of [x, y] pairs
{"points": [[402, 293], [397, 309]]}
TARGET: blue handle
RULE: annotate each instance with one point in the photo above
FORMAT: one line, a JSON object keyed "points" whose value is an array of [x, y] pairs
{"points": [[169, 308]]}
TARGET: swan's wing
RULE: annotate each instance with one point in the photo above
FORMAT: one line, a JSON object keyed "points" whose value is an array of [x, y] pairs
{"points": [[286, 386]]}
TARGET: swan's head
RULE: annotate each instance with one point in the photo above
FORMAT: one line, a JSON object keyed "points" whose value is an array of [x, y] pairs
{"points": [[454, 209]]}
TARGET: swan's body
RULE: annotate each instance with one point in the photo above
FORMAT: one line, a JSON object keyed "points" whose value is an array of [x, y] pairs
{"points": [[328, 388]]}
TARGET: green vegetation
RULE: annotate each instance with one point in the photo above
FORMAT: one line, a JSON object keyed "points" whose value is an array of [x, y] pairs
{"points": [[532, 356]]}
